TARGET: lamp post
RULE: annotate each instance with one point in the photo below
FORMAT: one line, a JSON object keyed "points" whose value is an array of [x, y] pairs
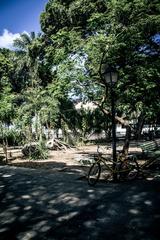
{"points": [[111, 77]]}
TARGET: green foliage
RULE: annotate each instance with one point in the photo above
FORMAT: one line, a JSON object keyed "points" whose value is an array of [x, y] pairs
{"points": [[43, 77], [6, 67], [13, 137], [40, 152], [123, 32], [70, 14], [6, 106]]}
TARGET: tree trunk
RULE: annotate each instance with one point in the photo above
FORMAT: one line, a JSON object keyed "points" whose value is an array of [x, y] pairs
{"points": [[36, 126], [139, 126], [127, 140], [124, 123], [41, 129], [48, 130], [5, 145]]}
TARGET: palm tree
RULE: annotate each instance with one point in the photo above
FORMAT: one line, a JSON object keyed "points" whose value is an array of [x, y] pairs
{"points": [[28, 48]]}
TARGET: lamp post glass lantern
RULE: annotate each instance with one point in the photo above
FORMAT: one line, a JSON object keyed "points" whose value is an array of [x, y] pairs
{"points": [[110, 75], [111, 78]]}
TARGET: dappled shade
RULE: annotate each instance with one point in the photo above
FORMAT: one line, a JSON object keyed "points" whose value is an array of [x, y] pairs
{"points": [[36, 205]]}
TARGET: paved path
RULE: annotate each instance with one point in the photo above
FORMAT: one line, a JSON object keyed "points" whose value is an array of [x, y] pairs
{"points": [[37, 204]]}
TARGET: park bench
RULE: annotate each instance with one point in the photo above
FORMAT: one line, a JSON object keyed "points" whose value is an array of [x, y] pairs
{"points": [[150, 152]]}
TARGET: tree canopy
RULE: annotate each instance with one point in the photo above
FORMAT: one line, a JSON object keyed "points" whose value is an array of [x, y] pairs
{"points": [[121, 33], [46, 74]]}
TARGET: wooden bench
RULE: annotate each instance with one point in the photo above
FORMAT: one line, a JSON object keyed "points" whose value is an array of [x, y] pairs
{"points": [[150, 148], [150, 151]]}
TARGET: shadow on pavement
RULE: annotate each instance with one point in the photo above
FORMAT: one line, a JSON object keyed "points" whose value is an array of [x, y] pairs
{"points": [[38, 205]]}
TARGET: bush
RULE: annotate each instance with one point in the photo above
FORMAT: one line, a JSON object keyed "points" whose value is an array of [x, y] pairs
{"points": [[35, 150], [14, 137]]}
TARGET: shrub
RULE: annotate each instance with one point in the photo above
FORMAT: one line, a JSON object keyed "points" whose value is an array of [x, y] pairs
{"points": [[35, 150]]}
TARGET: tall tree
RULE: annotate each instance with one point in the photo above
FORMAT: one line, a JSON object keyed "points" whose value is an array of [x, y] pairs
{"points": [[28, 55], [121, 33]]}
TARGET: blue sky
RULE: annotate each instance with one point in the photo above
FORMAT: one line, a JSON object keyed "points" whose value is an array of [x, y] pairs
{"points": [[17, 16]]}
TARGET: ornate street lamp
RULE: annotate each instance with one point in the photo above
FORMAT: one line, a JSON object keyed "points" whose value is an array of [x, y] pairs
{"points": [[111, 76]]}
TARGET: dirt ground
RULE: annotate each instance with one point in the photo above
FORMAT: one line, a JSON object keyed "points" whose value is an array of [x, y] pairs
{"points": [[73, 160], [69, 160], [62, 159]]}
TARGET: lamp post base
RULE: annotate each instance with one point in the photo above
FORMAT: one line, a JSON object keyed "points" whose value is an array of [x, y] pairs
{"points": [[115, 178]]}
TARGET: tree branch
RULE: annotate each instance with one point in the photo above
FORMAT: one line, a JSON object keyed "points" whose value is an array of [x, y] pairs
{"points": [[122, 121]]}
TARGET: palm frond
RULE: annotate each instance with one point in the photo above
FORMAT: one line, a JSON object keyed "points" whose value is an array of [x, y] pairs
{"points": [[18, 43], [26, 38], [32, 35]]}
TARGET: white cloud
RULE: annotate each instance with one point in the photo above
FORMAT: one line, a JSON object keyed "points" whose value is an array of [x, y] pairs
{"points": [[7, 38]]}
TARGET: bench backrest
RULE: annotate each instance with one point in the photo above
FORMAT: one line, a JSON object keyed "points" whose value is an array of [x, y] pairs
{"points": [[149, 146], [157, 143]]}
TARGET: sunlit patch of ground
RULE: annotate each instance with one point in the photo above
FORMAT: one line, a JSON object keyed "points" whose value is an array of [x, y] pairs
{"points": [[71, 160]]}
